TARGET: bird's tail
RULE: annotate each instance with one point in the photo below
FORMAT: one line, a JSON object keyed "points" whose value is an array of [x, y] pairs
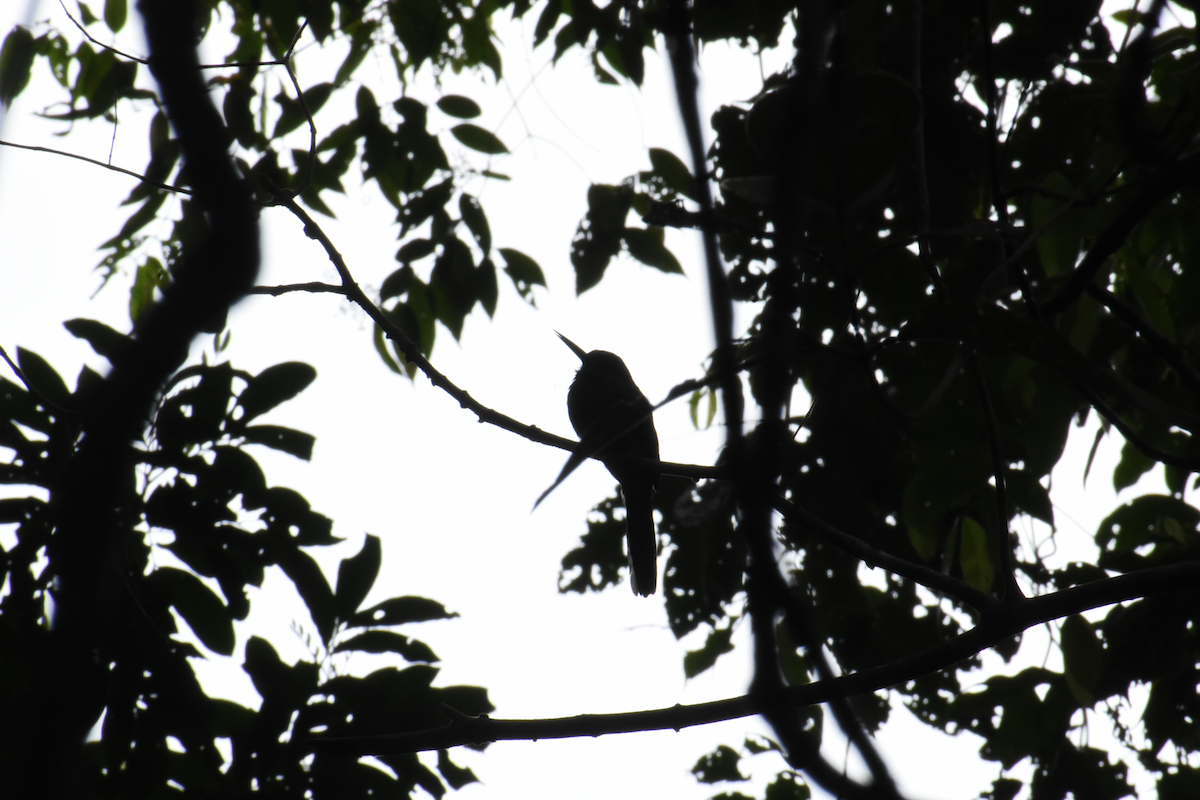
{"points": [[640, 539]]}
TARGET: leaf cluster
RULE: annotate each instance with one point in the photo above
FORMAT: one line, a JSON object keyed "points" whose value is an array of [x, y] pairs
{"points": [[200, 528]]}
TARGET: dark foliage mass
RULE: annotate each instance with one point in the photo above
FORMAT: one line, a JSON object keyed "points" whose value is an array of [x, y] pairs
{"points": [[963, 227]]}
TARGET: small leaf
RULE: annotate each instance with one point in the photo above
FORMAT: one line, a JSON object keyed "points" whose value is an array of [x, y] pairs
{"points": [[1058, 244], [200, 608], [458, 106], [115, 12], [150, 276], [476, 221], [716, 645], [381, 348], [456, 776], [293, 442], [389, 642], [673, 172], [646, 245], [721, 765], [1132, 466], [16, 63], [45, 381], [479, 139], [523, 270], [356, 576], [975, 556], [274, 385], [401, 610], [104, 340], [1083, 658]]}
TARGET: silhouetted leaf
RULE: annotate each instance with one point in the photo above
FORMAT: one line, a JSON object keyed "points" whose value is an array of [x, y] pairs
{"points": [[458, 106], [202, 610], [356, 576], [399, 611], [274, 385], [389, 642], [16, 63], [45, 381], [478, 138]]}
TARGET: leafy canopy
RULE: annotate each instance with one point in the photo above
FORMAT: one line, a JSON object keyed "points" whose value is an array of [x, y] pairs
{"points": [[961, 228]]}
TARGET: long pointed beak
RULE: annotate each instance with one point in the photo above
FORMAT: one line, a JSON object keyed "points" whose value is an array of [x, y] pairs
{"points": [[576, 349]]}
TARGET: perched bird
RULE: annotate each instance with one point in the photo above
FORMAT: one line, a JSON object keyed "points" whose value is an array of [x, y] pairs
{"points": [[615, 424]]}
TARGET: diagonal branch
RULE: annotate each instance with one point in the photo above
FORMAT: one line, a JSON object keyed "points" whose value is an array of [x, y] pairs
{"points": [[917, 573], [131, 173], [354, 293], [1159, 186], [1006, 621]]}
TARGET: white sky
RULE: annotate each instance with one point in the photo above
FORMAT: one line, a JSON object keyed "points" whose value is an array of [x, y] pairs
{"points": [[449, 497]]}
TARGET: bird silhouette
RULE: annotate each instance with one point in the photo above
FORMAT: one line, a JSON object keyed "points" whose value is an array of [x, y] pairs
{"points": [[615, 424]]}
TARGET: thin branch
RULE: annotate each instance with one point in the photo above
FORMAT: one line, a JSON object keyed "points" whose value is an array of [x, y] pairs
{"points": [[999, 199], [276, 63], [1191, 464], [872, 557], [1009, 589], [131, 173], [306, 180], [923, 208], [1169, 352], [1160, 185], [1004, 622], [354, 293], [96, 41]]}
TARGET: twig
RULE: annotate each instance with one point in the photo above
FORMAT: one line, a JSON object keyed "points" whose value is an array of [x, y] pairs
{"points": [[354, 293], [145, 61], [131, 173], [96, 41]]}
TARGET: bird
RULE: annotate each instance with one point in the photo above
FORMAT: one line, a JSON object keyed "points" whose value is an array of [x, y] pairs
{"points": [[615, 424]]}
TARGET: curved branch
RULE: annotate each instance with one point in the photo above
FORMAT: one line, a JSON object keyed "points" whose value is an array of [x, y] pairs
{"points": [[354, 293], [1005, 621]]}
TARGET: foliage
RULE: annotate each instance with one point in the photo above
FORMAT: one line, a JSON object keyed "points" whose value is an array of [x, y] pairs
{"points": [[978, 236], [203, 499]]}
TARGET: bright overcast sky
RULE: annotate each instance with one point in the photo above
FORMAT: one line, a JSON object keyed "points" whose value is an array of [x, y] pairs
{"points": [[449, 497]]}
